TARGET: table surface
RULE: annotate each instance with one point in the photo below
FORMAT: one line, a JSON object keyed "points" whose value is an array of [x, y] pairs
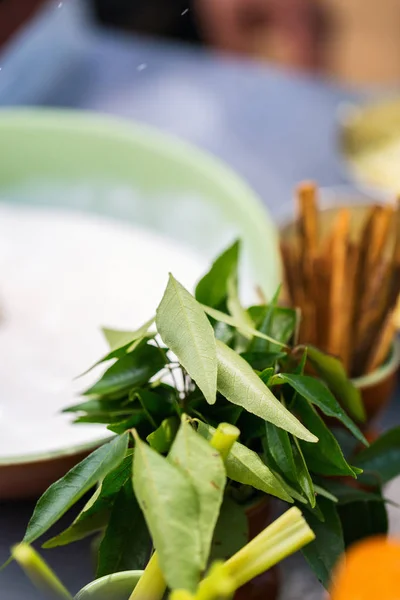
{"points": [[274, 128]]}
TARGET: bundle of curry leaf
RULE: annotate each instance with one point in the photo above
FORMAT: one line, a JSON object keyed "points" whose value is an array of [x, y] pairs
{"points": [[213, 360], [181, 497]]}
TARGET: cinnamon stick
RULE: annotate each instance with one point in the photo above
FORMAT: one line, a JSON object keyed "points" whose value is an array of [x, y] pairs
{"points": [[337, 319], [380, 352]]}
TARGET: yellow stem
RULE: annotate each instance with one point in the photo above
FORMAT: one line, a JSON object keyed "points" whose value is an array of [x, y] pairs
{"points": [[218, 585], [39, 572], [151, 585], [224, 438]]}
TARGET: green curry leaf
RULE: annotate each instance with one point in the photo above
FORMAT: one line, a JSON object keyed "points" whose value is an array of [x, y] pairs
{"points": [[185, 329], [241, 386]]}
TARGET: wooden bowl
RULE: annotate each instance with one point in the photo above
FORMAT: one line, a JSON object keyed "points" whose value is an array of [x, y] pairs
{"points": [[29, 479]]}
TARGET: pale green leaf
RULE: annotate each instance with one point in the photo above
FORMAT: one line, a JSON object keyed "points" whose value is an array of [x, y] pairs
{"points": [[246, 467], [171, 509], [114, 338], [185, 329], [236, 309], [241, 385], [205, 469], [65, 492], [117, 339], [229, 320], [161, 439]]}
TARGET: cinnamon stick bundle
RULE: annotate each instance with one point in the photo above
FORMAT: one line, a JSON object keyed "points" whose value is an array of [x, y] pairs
{"points": [[346, 286]]}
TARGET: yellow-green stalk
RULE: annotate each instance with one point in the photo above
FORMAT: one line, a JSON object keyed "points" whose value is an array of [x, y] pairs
{"points": [[285, 536], [151, 585], [218, 584], [39, 572], [181, 595], [224, 438]]}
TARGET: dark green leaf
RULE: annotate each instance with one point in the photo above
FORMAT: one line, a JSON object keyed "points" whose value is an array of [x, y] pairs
{"points": [[132, 340], [262, 360], [277, 444], [363, 519], [381, 461], [161, 439], [131, 370], [320, 491], [317, 393], [250, 427], [332, 372], [97, 406], [229, 320], [259, 345], [171, 509], [241, 386], [246, 467], [231, 532], [303, 476], [126, 544], [104, 419], [204, 466], [96, 513], [266, 375], [212, 289], [347, 494], [275, 321], [137, 420], [63, 494], [323, 553], [157, 406], [326, 457], [93, 518], [185, 329]]}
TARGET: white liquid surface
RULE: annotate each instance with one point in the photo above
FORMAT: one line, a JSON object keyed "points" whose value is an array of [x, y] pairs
{"points": [[63, 275]]}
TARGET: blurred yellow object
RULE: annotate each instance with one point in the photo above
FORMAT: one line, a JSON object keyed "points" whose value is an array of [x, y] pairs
{"points": [[369, 571], [370, 140]]}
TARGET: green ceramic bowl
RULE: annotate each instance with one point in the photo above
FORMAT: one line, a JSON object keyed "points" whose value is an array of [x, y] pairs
{"points": [[51, 145], [112, 587], [174, 189]]}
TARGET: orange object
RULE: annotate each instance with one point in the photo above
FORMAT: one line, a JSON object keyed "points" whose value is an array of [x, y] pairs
{"points": [[369, 571]]}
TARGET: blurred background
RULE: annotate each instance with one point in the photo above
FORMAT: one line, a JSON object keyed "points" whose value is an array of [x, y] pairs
{"points": [[353, 41], [259, 84]]}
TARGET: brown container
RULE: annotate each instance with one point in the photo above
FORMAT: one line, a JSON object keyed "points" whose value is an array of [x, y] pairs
{"points": [[28, 480], [377, 387]]}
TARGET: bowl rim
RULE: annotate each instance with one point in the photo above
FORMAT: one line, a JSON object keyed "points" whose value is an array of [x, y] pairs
{"points": [[388, 368], [119, 128], [122, 575]]}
